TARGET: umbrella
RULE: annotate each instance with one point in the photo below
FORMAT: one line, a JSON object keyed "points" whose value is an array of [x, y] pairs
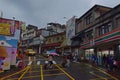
{"points": [[55, 54], [52, 52]]}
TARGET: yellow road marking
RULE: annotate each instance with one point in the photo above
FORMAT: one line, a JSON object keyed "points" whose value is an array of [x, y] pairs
{"points": [[38, 76], [13, 74], [32, 71], [99, 77], [41, 71], [31, 76], [28, 67], [44, 70], [52, 69], [12, 79], [65, 73], [104, 72], [53, 74]]}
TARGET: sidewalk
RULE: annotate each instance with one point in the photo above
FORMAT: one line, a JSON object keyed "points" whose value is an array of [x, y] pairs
{"points": [[115, 73]]}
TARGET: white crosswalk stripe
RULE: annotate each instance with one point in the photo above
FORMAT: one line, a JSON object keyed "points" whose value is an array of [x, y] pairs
{"points": [[29, 63], [38, 62]]}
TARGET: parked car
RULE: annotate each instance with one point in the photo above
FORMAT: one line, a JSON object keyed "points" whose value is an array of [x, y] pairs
{"points": [[30, 52]]}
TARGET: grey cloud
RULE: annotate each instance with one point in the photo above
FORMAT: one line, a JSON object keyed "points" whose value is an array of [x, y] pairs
{"points": [[40, 12]]}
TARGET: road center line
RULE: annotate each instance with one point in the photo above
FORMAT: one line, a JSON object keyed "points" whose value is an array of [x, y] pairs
{"points": [[41, 71], [65, 73], [28, 67], [13, 74]]}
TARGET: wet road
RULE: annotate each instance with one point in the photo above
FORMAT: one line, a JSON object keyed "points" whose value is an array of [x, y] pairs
{"points": [[77, 71]]}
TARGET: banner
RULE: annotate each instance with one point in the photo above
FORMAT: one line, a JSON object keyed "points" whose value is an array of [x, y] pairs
{"points": [[70, 29], [5, 29], [8, 26]]}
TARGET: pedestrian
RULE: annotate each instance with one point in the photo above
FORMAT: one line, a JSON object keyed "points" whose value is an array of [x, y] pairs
{"points": [[64, 61], [111, 63], [93, 59], [75, 57], [68, 61], [104, 59], [115, 64], [50, 60]]}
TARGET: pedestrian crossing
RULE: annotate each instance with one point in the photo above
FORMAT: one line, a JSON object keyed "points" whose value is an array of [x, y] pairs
{"points": [[38, 62]]}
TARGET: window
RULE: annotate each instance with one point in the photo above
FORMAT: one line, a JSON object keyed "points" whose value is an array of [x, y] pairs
{"points": [[89, 35], [49, 40], [57, 38], [89, 19], [118, 22], [108, 27], [62, 38], [105, 28]]}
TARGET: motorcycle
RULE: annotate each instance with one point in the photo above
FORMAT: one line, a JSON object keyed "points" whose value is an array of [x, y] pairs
{"points": [[49, 64]]}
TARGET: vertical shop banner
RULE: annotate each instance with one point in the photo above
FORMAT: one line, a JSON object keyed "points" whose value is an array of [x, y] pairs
{"points": [[70, 29]]}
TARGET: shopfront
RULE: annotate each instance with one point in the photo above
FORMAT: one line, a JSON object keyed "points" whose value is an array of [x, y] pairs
{"points": [[88, 53]]}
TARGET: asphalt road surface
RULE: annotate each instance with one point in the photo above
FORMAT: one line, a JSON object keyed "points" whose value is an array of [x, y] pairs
{"points": [[77, 71]]}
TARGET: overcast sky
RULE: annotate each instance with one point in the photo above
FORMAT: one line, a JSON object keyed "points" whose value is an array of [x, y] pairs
{"points": [[41, 12]]}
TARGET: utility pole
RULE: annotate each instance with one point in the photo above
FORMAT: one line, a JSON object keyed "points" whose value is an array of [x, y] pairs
{"points": [[1, 14]]}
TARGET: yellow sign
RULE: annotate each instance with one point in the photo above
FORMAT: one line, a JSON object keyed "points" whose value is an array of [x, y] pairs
{"points": [[4, 29], [6, 64]]}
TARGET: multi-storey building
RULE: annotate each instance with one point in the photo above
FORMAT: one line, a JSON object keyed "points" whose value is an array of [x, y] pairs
{"points": [[27, 37], [56, 27], [35, 38], [84, 23], [99, 31], [54, 42]]}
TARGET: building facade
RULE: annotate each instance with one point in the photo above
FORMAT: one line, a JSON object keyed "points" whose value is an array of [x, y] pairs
{"points": [[54, 42], [56, 27], [27, 37], [99, 30]]}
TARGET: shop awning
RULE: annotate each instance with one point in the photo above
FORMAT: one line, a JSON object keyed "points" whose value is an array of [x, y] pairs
{"points": [[3, 52]]}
